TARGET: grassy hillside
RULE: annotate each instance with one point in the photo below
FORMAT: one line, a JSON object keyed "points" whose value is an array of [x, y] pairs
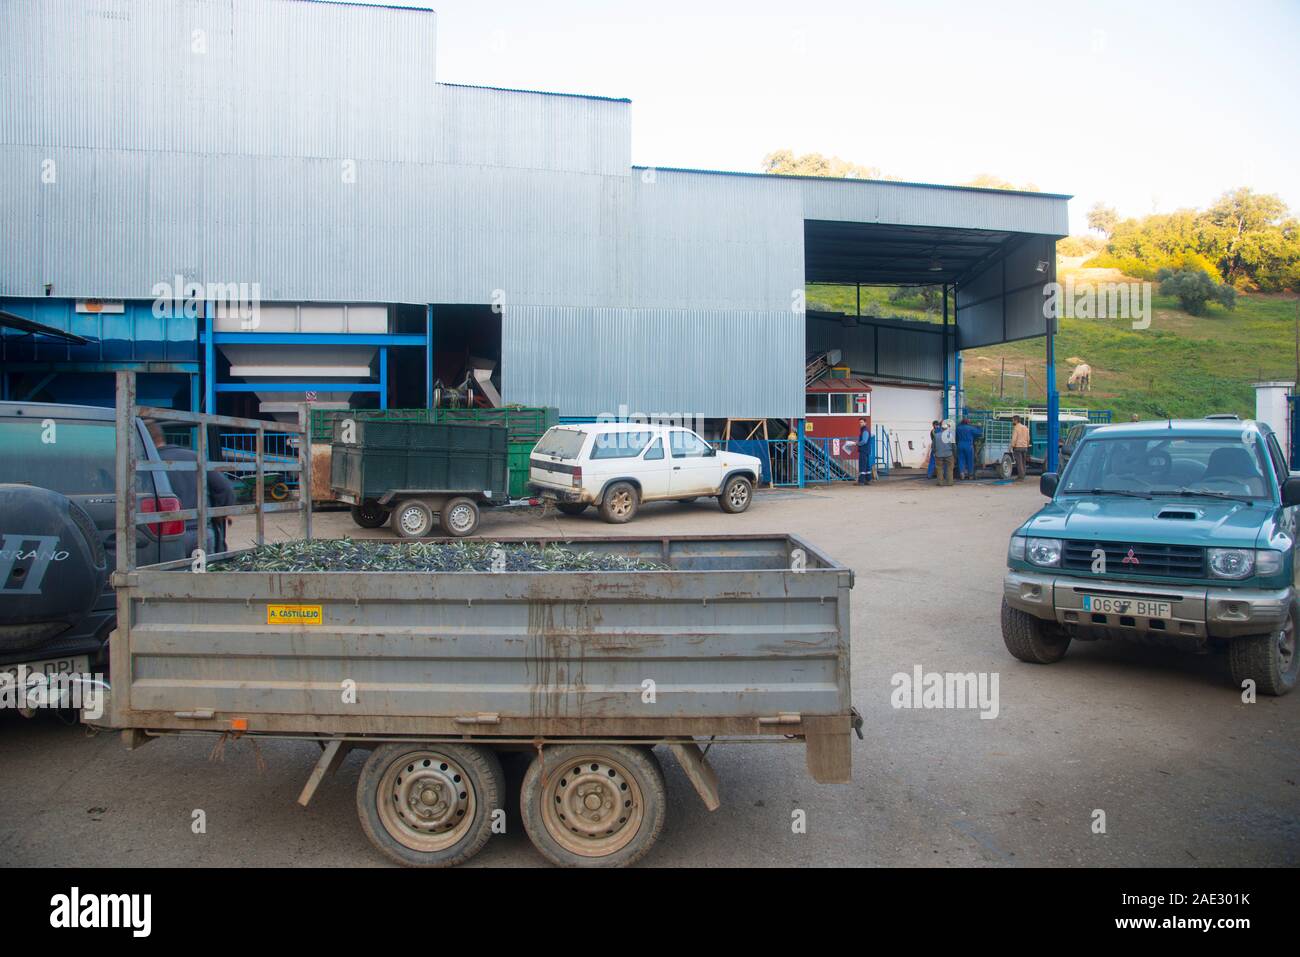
{"points": [[1182, 365]]}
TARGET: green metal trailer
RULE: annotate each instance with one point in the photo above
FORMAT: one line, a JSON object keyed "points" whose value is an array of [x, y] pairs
{"points": [[410, 473]]}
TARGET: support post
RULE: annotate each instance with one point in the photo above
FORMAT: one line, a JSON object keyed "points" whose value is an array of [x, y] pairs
{"points": [[428, 357], [383, 377], [259, 490], [201, 487], [304, 468], [798, 431], [125, 505], [1053, 399], [209, 364], [945, 352]]}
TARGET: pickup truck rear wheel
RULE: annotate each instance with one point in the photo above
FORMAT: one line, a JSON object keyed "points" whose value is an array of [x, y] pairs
{"points": [[412, 519], [620, 503], [429, 805], [369, 514], [1268, 660], [459, 517], [1032, 639], [593, 805], [736, 495]]}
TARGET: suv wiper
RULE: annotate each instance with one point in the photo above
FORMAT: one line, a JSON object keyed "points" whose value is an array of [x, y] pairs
{"points": [[1115, 491], [1203, 493]]}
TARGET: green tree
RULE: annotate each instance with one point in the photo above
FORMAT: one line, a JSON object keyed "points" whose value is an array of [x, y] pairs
{"points": [[990, 181], [1243, 231], [1103, 218], [1195, 289], [786, 163]]}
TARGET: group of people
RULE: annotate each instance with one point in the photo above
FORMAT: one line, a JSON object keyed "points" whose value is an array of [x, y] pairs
{"points": [[952, 450]]}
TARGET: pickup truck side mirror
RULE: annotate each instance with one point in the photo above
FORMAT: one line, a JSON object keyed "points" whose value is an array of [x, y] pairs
{"points": [[711, 452], [1048, 481], [1291, 492]]}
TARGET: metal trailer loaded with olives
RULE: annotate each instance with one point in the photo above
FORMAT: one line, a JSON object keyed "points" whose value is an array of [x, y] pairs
{"points": [[594, 656]]}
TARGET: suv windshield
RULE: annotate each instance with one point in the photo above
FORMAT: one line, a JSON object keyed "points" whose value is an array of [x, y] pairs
{"points": [[562, 443], [1227, 466]]}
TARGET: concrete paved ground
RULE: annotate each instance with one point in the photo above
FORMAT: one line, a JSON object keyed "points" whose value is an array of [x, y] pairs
{"points": [[1185, 773]]}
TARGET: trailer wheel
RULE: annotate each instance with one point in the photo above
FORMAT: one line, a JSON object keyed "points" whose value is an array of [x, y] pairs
{"points": [[620, 503], [571, 508], [593, 805], [459, 517], [369, 514], [412, 519], [1006, 465], [279, 492], [736, 495], [429, 805]]}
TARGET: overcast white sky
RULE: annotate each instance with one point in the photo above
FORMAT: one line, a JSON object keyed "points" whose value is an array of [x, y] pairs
{"points": [[1145, 104]]}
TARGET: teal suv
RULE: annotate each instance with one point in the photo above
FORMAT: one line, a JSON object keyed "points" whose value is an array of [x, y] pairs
{"points": [[1178, 533]]}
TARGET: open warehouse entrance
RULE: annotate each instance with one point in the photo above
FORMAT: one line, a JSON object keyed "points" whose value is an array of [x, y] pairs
{"points": [[891, 307]]}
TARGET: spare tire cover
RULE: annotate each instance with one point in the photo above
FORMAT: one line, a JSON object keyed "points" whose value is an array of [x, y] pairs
{"points": [[53, 565]]}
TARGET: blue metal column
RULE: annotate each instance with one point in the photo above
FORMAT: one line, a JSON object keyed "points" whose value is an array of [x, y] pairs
{"points": [[1053, 399], [209, 362], [945, 351], [428, 357], [798, 428], [383, 377]]}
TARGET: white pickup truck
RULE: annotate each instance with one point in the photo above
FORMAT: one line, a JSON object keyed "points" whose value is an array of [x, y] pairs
{"points": [[617, 466]]}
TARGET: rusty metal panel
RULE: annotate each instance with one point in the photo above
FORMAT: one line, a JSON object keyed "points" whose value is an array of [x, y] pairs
{"points": [[729, 632]]}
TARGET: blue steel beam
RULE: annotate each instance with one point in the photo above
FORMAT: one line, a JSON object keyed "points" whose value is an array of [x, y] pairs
{"points": [[428, 356]]}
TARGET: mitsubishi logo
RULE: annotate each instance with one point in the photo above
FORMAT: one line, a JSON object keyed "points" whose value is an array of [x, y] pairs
{"points": [[1130, 558]]}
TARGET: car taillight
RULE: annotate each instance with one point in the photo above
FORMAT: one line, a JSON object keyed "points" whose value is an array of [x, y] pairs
{"points": [[577, 475], [164, 504]]}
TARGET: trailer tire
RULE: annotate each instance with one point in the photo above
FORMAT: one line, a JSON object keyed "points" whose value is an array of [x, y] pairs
{"points": [[429, 805], [1032, 639], [459, 517], [412, 519], [571, 508], [369, 514], [736, 495], [619, 503], [1268, 660], [1006, 465], [610, 775]]}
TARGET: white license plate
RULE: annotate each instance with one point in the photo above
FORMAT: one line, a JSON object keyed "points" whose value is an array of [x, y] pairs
{"points": [[75, 665], [1140, 607]]}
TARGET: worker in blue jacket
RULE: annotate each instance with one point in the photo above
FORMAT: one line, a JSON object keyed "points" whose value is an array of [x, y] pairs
{"points": [[866, 452], [966, 436]]}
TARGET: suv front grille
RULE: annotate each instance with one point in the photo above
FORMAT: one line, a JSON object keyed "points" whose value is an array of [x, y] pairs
{"points": [[1174, 561]]}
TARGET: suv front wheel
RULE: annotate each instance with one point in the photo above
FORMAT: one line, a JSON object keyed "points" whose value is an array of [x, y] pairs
{"points": [[1032, 639], [1268, 660], [736, 495], [620, 503]]}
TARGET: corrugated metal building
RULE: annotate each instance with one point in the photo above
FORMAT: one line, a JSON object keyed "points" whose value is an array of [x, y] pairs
{"points": [[308, 148]]}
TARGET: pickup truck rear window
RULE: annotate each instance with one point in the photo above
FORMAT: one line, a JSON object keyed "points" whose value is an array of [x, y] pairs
{"points": [[562, 443], [619, 445]]}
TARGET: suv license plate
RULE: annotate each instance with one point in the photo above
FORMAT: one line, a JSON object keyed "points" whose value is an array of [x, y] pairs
{"points": [[1141, 607]]}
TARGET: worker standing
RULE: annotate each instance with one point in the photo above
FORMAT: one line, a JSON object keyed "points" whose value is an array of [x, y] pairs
{"points": [[966, 436], [943, 452], [1019, 445], [866, 452], [929, 467]]}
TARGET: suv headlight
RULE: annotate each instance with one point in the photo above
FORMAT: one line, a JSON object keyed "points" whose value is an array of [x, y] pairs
{"points": [[1231, 562], [1044, 551]]}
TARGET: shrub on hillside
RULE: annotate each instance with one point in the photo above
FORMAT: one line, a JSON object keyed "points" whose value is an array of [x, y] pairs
{"points": [[1195, 289]]}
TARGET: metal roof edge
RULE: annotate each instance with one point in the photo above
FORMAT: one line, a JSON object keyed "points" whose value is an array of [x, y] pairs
{"points": [[508, 89], [839, 179]]}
